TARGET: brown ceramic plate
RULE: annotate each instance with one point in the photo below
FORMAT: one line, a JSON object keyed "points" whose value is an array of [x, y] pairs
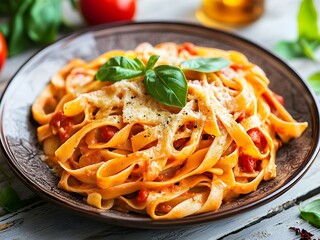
{"points": [[22, 150]]}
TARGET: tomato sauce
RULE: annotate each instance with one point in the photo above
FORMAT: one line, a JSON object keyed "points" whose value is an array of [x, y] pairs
{"points": [[62, 124], [258, 138], [108, 132], [142, 195], [279, 98], [248, 163], [188, 47]]}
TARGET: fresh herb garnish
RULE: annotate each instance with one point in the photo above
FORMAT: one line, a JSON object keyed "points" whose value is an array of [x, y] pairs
{"points": [[308, 39], [165, 83], [311, 213], [307, 42], [152, 61], [9, 198], [119, 68], [314, 81], [30, 22], [205, 65]]}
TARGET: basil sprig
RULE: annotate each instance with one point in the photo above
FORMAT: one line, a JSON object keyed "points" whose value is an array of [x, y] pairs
{"points": [[205, 65], [311, 213], [9, 199], [165, 83], [308, 39], [30, 22]]}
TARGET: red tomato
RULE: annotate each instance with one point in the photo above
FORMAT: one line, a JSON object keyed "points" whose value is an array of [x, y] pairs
{"points": [[3, 50], [246, 163], [143, 195], [258, 138], [249, 164], [62, 124], [108, 132], [279, 98], [188, 47], [103, 11]]}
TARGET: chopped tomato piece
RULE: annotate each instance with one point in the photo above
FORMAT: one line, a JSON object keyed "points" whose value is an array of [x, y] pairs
{"points": [[258, 138], [237, 66], [258, 165], [249, 164], [108, 132], [163, 208], [62, 124], [271, 105], [246, 163], [188, 47], [279, 98], [142, 195]]}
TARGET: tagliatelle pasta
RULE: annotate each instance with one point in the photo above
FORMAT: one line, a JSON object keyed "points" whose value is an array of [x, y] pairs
{"points": [[120, 148]]}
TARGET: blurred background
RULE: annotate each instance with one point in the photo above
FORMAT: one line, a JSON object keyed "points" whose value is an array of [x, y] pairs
{"points": [[29, 25]]}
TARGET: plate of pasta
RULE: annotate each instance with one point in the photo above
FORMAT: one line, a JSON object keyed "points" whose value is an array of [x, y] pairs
{"points": [[158, 124]]}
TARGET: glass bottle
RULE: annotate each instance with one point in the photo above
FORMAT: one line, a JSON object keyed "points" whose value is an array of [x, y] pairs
{"points": [[231, 12]]}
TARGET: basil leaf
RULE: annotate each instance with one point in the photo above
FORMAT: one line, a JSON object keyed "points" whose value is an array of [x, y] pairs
{"points": [[167, 84], [311, 213], [205, 65], [289, 50], [314, 81], [309, 47], [308, 34], [17, 39], [9, 199], [4, 29], [119, 68], [44, 20], [152, 61], [9, 7], [308, 21]]}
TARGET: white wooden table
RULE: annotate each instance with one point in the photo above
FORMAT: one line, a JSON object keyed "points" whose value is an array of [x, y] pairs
{"points": [[39, 219]]}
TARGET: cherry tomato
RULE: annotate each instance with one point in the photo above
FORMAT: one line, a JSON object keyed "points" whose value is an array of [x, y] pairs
{"points": [[3, 50], [104, 11]]}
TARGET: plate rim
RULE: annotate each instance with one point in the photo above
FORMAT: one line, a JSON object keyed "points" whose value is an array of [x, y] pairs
{"points": [[168, 223]]}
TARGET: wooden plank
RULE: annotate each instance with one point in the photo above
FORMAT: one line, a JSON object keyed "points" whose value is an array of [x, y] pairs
{"points": [[278, 226], [55, 221]]}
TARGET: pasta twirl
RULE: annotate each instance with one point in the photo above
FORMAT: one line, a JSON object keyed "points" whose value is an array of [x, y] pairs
{"points": [[120, 148]]}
